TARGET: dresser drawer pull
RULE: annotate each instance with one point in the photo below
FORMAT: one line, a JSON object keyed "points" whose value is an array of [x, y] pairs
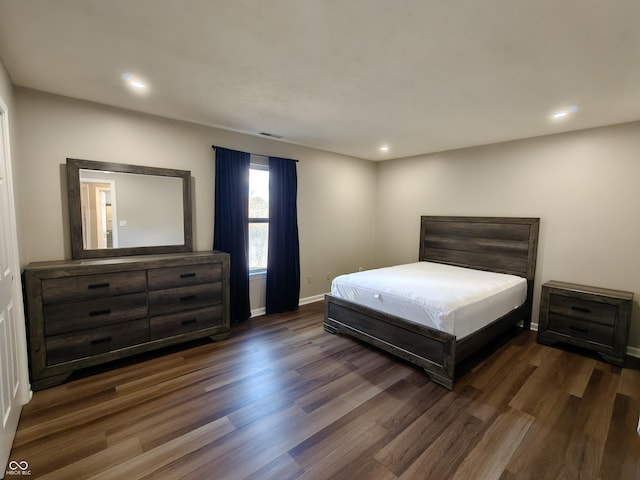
{"points": [[189, 321], [99, 285], [187, 275], [578, 329], [98, 341], [581, 309], [97, 313], [188, 297]]}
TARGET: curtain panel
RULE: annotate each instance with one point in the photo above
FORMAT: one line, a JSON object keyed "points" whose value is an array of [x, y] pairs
{"points": [[230, 232], [283, 267]]}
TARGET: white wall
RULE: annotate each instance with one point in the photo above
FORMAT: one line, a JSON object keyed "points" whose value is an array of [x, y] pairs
{"points": [[583, 185], [336, 193]]}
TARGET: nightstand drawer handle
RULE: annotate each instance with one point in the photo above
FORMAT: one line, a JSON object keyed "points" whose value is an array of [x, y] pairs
{"points": [[96, 313], [97, 341], [578, 329], [191, 320], [581, 309], [187, 275], [188, 297], [99, 285]]}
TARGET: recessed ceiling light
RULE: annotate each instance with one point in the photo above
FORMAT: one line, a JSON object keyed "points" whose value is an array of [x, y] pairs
{"points": [[384, 148], [564, 113], [134, 81]]}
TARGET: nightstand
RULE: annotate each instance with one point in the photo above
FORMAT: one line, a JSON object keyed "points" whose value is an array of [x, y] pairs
{"points": [[589, 317]]}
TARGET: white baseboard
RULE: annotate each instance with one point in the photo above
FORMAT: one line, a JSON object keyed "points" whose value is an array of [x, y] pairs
{"points": [[303, 301], [631, 351], [315, 298]]}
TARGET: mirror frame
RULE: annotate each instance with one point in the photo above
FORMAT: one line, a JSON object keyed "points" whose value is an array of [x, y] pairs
{"points": [[74, 165]]}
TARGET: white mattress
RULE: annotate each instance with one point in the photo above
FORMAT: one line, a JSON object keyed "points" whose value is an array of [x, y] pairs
{"points": [[451, 299]]}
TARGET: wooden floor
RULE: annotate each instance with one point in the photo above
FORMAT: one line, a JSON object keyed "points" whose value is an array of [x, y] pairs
{"points": [[282, 399]]}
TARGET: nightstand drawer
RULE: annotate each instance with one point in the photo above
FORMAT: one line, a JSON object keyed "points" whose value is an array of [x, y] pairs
{"points": [[583, 309], [575, 328]]}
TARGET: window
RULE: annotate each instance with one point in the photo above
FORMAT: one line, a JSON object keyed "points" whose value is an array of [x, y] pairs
{"points": [[258, 215]]}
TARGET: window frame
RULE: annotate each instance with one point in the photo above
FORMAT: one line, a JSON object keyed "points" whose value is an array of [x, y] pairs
{"points": [[258, 162]]}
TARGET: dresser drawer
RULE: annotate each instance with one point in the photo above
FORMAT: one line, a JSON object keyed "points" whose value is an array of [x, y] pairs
{"points": [[179, 323], [72, 317], [60, 290], [63, 348], [591, 311], [576, 328], [179, 299], [171, 277]]}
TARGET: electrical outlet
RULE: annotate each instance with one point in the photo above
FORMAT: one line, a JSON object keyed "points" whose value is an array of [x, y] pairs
{"points": [[328, 275], [309, 280]]}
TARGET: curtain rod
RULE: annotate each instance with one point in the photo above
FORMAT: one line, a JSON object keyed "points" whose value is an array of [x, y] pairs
{"points": [[257, 154]]}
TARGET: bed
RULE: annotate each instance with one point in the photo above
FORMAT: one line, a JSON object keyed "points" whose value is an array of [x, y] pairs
{"points": [[504, 245]]}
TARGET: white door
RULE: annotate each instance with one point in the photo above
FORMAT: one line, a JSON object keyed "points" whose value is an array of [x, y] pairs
{"points": [[14, 388]]}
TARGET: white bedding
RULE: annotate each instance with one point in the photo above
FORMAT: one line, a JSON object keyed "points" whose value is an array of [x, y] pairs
{"points": [[451, 299]]}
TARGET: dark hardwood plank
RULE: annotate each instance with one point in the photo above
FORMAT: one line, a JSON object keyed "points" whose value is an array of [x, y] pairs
{"points": [[281, 468], [405, 448], [494, 450], [582, 459], [443, 457], [622, 448], [595, 410], [282, 399], [541, 453]]}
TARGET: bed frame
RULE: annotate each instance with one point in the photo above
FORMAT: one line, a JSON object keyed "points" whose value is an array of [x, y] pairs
{"points": [[497, 244]]}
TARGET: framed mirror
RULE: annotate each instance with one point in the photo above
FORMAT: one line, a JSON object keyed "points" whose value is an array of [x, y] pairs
{"points": [[117, 209]]}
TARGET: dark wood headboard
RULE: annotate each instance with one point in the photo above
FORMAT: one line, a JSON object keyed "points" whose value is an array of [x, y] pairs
{"points": [[498, 244]]}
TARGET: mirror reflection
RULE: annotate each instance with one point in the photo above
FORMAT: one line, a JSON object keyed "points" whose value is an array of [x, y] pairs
{"points": [[117, 209], [126, 210]]}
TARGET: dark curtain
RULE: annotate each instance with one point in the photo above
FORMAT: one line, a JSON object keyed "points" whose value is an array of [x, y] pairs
{"points": [[283, 266], [230, 232]]}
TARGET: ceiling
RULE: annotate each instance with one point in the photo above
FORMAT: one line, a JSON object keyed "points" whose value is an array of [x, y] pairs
{"points": [[345, 76]]}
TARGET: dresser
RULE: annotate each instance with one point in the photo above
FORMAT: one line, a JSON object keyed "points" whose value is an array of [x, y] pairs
{"points": [[82, 313], [588, 317]]}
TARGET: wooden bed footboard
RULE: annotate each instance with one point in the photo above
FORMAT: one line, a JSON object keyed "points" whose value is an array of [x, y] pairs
{"points": [[431, 349]]}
